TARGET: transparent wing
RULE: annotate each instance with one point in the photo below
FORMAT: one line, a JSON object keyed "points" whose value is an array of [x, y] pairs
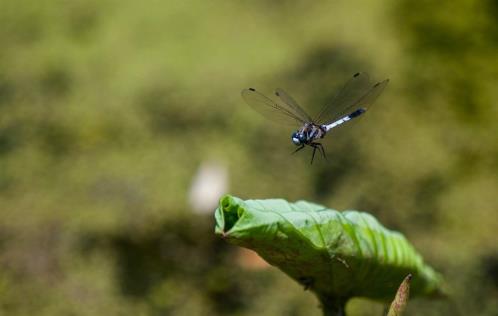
{"points": [[357, 93], [288, 100], [280, 113]]}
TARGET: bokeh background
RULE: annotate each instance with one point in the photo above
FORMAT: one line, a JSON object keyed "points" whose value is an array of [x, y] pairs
{"points": [[121, 122]]}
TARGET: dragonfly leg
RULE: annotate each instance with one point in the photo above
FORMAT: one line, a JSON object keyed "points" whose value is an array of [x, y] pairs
{"points": [[313, 155], [322, 150], [298, 149]]}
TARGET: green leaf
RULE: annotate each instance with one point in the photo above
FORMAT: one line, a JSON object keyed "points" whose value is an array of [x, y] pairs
{"points": [[399, 304], [337, 255]]}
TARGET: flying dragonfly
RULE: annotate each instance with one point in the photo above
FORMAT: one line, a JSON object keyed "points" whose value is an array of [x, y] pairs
{"points": [[353, 100]]}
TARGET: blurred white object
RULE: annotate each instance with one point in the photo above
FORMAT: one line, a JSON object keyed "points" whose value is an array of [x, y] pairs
{"points": [[209, 184]]}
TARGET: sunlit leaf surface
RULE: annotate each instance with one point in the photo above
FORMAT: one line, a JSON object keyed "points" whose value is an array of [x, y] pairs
{"points": [[334, 254]]}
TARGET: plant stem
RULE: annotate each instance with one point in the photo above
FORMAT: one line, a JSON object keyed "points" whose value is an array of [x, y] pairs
{"points": [[333, 306]]}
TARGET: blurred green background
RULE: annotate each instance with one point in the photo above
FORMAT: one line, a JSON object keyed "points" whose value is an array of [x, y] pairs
{"points": [[121, 121]]}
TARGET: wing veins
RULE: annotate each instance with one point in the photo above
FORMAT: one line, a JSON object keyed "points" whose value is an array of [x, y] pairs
{"points": [[287, 99], [356, 92], [255, 99]]}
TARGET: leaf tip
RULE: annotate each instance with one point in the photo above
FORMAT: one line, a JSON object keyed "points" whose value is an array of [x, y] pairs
{"points": [[227, 214], [401, 299]]}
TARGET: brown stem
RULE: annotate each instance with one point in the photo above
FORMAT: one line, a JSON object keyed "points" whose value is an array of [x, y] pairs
{"points": [[333, 306]]}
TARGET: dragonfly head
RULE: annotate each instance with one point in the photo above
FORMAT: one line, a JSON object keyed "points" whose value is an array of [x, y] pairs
{"points": [[297, 138]]}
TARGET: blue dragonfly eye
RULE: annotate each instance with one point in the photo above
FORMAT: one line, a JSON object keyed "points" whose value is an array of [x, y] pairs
{"points": [[296, 138]]}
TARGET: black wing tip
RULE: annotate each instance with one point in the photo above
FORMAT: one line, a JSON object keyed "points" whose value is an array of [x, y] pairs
{"points": [[356, 74], [252, 89], [277, 94]]}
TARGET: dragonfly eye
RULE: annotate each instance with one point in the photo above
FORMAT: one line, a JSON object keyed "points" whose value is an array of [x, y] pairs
{"points": [[296, 139]]}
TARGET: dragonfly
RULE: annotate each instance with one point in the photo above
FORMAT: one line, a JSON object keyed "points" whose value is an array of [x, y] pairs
{"points": [[352, 101]]}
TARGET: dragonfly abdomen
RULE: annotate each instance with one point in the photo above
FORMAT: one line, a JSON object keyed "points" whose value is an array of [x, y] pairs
{"points": [[344, 119], [357, 113]]}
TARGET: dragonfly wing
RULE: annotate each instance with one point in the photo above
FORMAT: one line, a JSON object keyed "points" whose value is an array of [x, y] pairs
{"points": [[280, 113], [357, 93], [289, 101], [373, 93]]}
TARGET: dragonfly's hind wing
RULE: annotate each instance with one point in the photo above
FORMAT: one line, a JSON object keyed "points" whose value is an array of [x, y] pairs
{"points": [[357, 93], [368, 99], [275, 111]]}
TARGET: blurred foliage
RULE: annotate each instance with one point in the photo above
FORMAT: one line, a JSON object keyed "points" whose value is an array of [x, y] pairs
{"points": [[108, 108]]}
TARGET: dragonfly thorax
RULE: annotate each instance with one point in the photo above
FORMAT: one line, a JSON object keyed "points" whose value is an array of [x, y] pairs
{"points": [[307, 134]]}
